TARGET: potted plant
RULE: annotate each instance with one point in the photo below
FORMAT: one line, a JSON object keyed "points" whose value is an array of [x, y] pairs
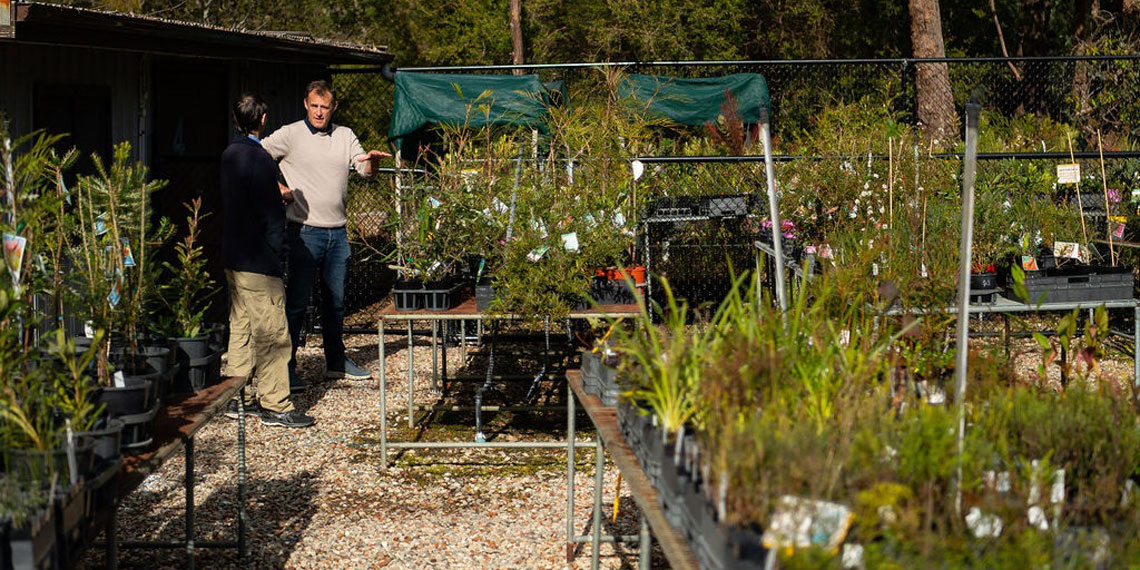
{"points": [[186, 297]]}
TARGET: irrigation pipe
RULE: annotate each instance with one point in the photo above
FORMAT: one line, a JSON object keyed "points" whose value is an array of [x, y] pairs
{"points": [[969, 171], [773, 210]]}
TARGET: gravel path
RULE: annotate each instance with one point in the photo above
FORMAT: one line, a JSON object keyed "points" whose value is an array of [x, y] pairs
{"points": [[318, 498]]}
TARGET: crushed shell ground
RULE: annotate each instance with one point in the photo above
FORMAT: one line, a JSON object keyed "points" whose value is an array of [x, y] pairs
{"points": [[321, 498]]}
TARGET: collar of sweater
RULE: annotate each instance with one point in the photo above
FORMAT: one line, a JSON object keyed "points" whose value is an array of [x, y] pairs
{"points": [[313, 130]]}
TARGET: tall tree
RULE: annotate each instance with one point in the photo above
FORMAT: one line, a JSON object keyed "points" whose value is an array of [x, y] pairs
{"points": [[516, 34], [935, 99]]}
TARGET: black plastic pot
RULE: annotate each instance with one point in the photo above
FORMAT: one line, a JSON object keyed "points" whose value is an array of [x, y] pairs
{"points": [[31, 545], [486, 292], [37, 465], [137, 432], [136, 397], [107, 438], [193, 356], [983, 281], [218, 333]]}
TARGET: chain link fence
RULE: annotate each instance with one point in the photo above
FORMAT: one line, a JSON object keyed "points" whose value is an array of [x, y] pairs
{"points": [[1027, 100]]}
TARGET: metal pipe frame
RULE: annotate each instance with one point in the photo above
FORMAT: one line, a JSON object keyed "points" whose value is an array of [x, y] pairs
{"points": [[751, 62], [189, 544]]}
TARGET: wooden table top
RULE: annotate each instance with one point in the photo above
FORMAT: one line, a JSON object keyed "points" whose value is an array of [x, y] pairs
{"points": [[674, 545]]}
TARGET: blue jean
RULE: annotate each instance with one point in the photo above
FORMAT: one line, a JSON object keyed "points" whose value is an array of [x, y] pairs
{"points": [[311, 250]]}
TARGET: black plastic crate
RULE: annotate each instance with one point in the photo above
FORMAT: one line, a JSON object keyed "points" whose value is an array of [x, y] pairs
{"points": [[1076, 284], [447, 296], [408, 295]]}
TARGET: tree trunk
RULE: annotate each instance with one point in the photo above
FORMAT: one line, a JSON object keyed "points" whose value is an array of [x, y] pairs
{"points": [[936, 110], [516, 35], [1035, 29]]}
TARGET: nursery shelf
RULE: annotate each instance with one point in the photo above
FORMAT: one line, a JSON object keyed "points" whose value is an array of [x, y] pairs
{"points": [[673, 544], [174, 429]]}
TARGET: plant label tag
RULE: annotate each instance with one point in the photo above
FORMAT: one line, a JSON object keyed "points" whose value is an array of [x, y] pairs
{"points": [[1066, 249], [128, 259], [113, 295], [638, 169], [14, 255], [89, 329], [101, 224], [537, 253], [570, 241], [1118, 231], [499, 206], [539, 227], [875, 269], [1029, 263], [923, 271], [1069, 173], [119, 379]]}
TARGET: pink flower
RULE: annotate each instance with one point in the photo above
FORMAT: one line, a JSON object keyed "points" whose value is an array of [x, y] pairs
{"points": [[1114, 195]]}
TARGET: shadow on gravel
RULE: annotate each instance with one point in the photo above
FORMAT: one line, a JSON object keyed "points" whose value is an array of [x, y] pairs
{"points": [[627, 524], [278, 512]]}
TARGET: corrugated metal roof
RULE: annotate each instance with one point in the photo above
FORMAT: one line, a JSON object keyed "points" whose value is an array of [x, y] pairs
{"points": [[41, 22]]}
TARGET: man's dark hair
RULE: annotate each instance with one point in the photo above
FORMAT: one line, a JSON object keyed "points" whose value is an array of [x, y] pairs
{"points": [[320, 87], [248, 111]]}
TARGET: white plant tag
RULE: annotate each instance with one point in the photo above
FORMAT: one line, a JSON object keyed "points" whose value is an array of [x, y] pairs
{"points": [[89, 329], [499, 206], [570, 241], [983, 525], [1037, 518], [1069, 173], [638, 169], [537, 253], [120, 380]]}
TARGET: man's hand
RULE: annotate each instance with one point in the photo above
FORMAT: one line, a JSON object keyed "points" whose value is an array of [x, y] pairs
{"points": [[286, 193], [373, 157]]}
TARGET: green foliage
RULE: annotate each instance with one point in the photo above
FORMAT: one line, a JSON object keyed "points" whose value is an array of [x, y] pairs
{"points": [[187, 291]]}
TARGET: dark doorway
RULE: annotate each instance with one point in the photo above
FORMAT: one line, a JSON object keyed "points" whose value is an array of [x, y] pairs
{"points": [[83, 112], [190, 129]]}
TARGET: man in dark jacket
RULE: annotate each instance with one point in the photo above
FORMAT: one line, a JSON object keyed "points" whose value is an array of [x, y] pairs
{"points": [[253, 254]]}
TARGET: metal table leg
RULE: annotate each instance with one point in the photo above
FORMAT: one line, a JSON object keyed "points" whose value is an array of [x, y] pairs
{"points": [[646, 543], [189, 481], [411, 365], [443, 349], [383, 398], [242, 547], [434, 355], [570, 466], [596, 534], [1136, 346]]}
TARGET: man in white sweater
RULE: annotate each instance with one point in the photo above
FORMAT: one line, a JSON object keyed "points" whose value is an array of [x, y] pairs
{"points": [[315, 156]]}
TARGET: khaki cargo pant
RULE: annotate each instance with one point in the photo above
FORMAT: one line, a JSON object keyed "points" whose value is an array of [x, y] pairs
{"points": [[259, 337]]}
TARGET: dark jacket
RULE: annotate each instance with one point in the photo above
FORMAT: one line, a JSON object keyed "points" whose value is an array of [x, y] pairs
{"points": [[253, 237]]}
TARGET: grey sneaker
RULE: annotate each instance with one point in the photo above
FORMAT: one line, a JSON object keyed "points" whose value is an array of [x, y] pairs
{"points": [[351, 371], [290, 419], [251, 410]]}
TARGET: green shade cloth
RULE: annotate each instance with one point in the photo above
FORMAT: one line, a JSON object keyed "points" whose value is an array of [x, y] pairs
{"points": [[422, 99], [697, 101]]}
